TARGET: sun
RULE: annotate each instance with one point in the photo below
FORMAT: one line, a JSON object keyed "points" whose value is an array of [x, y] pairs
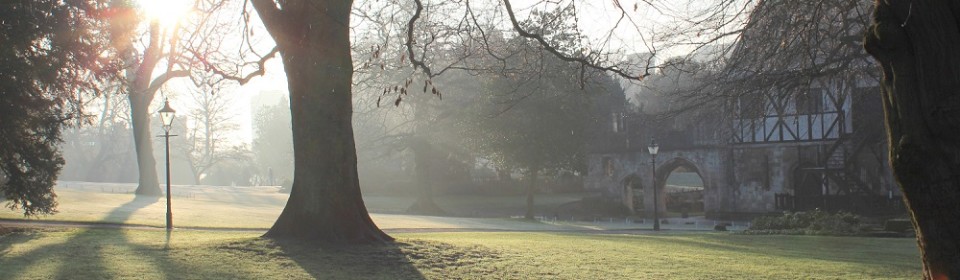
{"points": [[165, 12]]}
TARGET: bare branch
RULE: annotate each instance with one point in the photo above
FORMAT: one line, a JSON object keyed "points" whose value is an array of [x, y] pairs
{"points": [[410, 25], [159, 81], [553, 50], [241, 79]]}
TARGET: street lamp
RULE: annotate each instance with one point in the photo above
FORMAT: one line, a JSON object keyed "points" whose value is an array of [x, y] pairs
{"points": [[166, 117], [653, 149]]}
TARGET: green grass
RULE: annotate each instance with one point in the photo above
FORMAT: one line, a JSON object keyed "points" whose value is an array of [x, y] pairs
{"points": [[147, 254], [192, 254], [258, 208], [221, 209]]}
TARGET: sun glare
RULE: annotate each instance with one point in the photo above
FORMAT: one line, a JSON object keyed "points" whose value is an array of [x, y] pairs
{"points": [[166, 12]]}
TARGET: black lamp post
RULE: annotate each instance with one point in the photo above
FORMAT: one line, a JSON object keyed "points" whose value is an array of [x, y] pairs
{"points": [[166, 117], [653, 149]]}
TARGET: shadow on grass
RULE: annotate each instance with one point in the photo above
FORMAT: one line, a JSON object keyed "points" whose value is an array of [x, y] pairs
{"points": [[382, 261], [85, 255], [397, 260], [123, 212], [888, 253], [878, 252], [11, 236]]}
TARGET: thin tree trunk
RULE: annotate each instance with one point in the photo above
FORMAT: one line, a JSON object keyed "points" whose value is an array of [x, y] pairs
{"points": [[193, 169], [916, 44], [531, 190], [143, 142], [325, 203], [423, 157]]}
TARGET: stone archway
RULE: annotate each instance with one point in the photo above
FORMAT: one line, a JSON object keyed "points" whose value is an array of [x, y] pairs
{"points": [[693, 201]]}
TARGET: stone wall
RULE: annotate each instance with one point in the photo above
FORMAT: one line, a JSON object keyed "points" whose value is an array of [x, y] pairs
{"points": [[738, 179], [611, 175]]}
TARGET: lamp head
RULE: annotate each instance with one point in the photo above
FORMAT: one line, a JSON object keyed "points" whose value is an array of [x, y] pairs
{"points": [[654, 147], [166, 115]]}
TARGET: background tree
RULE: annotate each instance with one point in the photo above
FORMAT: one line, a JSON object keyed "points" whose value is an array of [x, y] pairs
{"points": [[206, 142], [535, 125], [51, 55], [155, 52], [273, 143], [535, 117], [101, 151]]}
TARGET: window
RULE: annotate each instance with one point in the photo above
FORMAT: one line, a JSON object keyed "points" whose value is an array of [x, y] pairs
{"points": [[811, 102], [615, 118], [751, 107], [608, 167]]}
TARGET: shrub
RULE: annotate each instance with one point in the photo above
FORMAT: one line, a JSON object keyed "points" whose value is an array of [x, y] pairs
{"points": [[720, 227], [814, 222]]}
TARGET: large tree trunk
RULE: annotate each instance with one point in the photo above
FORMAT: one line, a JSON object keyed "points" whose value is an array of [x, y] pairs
{"points": [[325, 203], [143, 142], [141, 94], [916, 43]]}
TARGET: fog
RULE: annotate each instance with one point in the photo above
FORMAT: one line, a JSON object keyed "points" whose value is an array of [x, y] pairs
{"points": [[489, 134], [395, 139]]}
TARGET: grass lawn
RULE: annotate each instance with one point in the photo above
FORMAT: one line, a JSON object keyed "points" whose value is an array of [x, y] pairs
{"points": [[258, 208], [150, 254], [228, 207]]}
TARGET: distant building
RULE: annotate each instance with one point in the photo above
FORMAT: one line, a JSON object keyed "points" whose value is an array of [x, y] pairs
{"points": [[819, 143]]}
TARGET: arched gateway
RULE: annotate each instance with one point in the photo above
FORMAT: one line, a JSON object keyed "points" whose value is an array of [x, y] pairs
{"points": [[800, 154], [622, 176]]}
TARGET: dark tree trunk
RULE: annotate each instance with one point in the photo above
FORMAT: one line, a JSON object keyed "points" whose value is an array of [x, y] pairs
{"points": [[916, 43], [143, 143], [531, 190], [325, 203]]}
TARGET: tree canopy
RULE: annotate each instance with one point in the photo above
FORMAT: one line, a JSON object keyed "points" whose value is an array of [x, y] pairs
{"points": [[51, 54]]}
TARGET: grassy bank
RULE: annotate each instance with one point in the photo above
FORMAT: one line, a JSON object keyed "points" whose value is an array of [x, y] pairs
{"points": [[113, 253]]}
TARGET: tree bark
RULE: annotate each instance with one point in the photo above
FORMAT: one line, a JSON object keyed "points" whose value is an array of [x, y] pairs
{"points": [[143, 143], [325, 203], [916, 44]]}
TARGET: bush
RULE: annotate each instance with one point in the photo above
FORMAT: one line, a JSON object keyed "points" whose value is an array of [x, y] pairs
{"points": [[814, 222]]}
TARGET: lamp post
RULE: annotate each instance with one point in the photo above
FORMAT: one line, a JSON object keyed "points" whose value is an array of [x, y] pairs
{"points": [[166, 117], [653, 149]]}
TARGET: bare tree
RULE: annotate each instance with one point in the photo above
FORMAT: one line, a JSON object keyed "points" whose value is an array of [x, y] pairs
{"points": [[155, 54], [313, 39], [207, 139], [914, 48], [101, 151]]}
